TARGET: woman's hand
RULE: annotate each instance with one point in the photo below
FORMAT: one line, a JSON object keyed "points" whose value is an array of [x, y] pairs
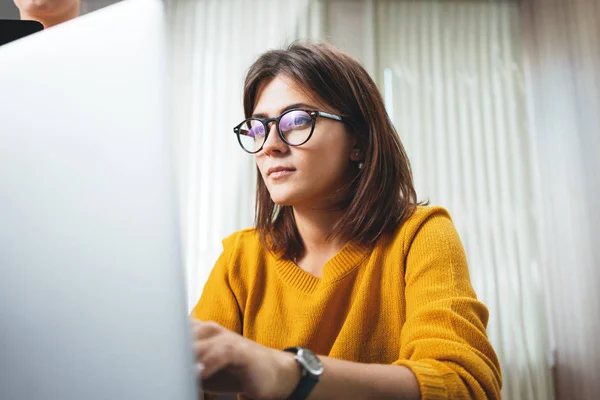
{"points": [[228, 362]]}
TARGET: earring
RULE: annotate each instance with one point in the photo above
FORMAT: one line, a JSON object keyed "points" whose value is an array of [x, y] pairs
{"points": [[360, 165]]}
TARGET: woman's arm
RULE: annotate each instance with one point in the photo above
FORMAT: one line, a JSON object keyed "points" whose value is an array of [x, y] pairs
{"points": [[232, 363], [351, 380], [443, 340]]}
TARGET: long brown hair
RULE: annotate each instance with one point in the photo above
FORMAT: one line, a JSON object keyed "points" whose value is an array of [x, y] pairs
{"points": [[381, 196]]}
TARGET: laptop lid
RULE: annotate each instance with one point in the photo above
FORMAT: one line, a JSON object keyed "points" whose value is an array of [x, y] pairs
{"points": [[92, 302]]}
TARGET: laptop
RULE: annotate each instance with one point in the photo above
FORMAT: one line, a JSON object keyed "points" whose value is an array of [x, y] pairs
{"points": [[92, 297]]}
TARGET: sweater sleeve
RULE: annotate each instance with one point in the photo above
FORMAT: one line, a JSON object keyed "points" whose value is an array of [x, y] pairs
{"points": [[218, 302], [443, 340]]}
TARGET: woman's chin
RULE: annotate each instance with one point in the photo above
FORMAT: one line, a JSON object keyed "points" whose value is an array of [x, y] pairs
{"points": [[282, 203], [283, 199]]}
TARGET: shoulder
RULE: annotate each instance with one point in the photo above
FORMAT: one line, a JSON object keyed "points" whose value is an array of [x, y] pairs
{"points": [[244, 249], [431, 216], [245, 238], [431, 224], [242, 257]]}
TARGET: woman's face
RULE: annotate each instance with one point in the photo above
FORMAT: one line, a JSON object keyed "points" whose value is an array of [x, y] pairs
{"points": [[313, 171], [46, 7]]}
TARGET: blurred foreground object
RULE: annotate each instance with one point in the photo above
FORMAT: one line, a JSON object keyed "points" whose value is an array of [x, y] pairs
{"points": [[11, 30], [92, 297]]}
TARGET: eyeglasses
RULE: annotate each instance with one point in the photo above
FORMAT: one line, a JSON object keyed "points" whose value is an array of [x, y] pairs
{"points": [[295, 127]]}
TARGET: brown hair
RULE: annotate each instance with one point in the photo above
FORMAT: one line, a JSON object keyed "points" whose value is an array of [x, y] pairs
{"points": [[382, 195]]}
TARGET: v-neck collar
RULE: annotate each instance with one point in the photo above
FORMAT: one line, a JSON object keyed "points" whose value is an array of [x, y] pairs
{"points": [[351, 255]]}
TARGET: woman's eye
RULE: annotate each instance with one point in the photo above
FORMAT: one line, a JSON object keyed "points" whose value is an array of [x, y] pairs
{"points": [[297, 122], [301, 121], [255, 133]]}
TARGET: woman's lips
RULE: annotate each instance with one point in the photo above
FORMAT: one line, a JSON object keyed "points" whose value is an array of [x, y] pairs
{"points": [[279, 169], [281, 173]]}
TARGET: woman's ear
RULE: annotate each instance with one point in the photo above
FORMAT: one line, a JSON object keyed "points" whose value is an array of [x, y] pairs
{"points": [[356, 154]]}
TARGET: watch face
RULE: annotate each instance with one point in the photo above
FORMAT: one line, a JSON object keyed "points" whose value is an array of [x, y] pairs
{"points": [[310, 361]]}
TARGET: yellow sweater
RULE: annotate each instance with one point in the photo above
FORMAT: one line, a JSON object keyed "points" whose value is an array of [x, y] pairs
{"points": [[407, 301]]}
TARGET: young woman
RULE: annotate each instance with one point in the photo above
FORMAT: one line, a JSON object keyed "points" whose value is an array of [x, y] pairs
{"points": [[346, 287]]}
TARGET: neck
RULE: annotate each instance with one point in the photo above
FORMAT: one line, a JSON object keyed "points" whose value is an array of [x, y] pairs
{"points": [[314, 227], [52, 20]]}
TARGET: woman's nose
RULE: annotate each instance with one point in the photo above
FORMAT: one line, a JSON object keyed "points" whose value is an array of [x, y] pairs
{"points": [[274, 144]]}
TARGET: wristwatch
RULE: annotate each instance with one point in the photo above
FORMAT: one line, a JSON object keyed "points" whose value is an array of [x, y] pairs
{"points": [[312, 369]]}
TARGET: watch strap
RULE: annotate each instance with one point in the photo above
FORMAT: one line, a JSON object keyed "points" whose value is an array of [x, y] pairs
{"points": [[307, 380]]}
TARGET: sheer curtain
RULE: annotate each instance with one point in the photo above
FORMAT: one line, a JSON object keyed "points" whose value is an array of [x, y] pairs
{"points": [[213, 44], [562, 40], [453, 85]]}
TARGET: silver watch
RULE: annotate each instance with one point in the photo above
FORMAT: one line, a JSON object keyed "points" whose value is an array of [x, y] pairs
{"points": [[312, 369]]}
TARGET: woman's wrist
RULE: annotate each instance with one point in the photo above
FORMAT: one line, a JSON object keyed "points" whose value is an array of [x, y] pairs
{"points": [[288, 374]]}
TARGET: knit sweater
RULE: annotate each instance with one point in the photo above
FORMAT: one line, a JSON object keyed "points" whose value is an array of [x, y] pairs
{"points": [[408, 301]]}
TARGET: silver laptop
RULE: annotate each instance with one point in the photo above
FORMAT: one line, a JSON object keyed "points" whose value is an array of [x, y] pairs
{"points": [[92, 302]]}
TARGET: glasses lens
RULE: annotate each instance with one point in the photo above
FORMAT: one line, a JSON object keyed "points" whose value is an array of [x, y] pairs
{"points": [[296, 126], [252, 135]]}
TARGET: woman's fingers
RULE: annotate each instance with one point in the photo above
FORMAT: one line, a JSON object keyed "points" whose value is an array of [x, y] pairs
{"points": [[222, 356], [205, 329], [215, 354]]}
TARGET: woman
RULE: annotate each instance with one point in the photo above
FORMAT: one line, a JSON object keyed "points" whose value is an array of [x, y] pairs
{"points": [[48, 12], [367, 292]]}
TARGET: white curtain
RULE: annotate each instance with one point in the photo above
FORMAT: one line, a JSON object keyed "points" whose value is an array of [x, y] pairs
{"points": [[452, 80], [214, 43], [562, 40]]}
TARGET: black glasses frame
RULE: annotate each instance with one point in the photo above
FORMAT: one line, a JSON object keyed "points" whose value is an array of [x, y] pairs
{"points": [[313, 114]]}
